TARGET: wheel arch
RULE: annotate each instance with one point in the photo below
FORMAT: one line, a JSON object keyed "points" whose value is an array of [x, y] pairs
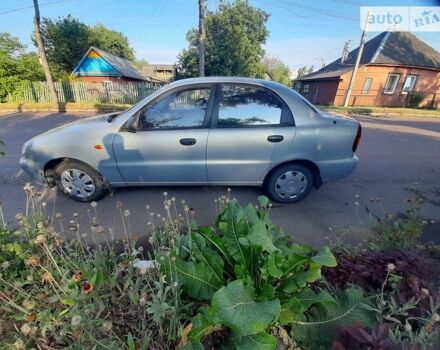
{"points": [[317, 180], [50, 166]]}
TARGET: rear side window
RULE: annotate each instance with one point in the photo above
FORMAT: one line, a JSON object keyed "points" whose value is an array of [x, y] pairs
{"points": [[244, 105]]}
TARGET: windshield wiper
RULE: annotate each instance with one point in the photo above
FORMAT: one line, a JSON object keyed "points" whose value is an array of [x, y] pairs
{"points": [[112, 116]]}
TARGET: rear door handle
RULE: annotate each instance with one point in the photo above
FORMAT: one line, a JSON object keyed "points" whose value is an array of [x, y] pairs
{"points": [[275, 138], [188, 142]]}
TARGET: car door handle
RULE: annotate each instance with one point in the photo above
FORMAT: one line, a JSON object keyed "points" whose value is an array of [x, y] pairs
{"points": [[188, 142], [275, 138]]}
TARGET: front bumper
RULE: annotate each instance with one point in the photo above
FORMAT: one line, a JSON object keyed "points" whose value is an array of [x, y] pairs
{"points": [[33, 169], [336, 169]]}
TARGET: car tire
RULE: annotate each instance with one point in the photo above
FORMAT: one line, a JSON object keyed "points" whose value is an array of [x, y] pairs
{"points": [[79, 181], [289, 183]]}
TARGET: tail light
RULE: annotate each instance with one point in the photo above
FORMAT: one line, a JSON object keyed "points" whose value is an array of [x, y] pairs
{"points": [[357, 139]]}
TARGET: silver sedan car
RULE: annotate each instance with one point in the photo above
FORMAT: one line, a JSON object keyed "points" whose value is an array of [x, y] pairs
{"points": [[202, 131]]}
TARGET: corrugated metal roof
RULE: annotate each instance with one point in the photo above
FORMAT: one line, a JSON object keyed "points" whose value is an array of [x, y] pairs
{"points": [[125, 67], [395, 48]]}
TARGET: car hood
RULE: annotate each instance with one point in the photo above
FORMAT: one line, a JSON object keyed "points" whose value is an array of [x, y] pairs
{"points": [[99, 121]]}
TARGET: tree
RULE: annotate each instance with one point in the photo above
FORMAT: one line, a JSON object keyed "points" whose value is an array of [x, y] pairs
{"points": [[305, 71], [235, 34], [111, 41], [139, 64], [65, 41], [16, 65], [277, 70]]}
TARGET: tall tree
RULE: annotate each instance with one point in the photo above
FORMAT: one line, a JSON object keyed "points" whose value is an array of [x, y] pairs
{"points": [[235, 34], [66, 41], [304, 70], [111, 41], [277, 70]]}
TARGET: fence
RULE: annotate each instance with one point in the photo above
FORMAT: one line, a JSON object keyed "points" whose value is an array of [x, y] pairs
{"points": [[106, 92]]}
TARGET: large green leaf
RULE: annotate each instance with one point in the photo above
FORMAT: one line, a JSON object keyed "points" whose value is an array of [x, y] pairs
{"points": [[274, 262], [207, 256], [308, 297], [216, 243], [259, 236], [260, 341], [233, 225], [290, 311], [301, 277], [324, 257], [196, 279], [236, 308]]}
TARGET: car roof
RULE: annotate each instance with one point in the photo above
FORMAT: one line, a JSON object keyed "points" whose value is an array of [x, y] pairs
{"points": [[242, 80]]}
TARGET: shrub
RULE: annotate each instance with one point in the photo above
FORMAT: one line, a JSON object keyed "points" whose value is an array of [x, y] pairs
{"points": [[414, 99]]}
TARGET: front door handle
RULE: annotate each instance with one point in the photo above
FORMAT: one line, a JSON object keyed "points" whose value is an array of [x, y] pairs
{"points": [[275, 138], [188, 142]]}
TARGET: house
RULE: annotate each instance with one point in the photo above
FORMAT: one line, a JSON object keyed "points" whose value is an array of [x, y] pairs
{"points": [[394, 68], [160, 72], [99, 66]]}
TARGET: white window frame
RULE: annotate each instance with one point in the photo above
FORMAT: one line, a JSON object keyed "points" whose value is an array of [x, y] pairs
{"points": [[306, 87], [393, 89], [365, 88], [404, 92]]}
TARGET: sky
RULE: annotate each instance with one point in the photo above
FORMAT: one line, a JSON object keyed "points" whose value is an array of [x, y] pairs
{"points": [[302, 33]]}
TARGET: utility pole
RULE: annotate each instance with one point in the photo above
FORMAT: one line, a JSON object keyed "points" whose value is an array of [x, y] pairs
{"points": [[358, 60], [202, 37], [42, 53]]}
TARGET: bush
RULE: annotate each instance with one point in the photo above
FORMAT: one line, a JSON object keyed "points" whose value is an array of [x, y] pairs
{"points": [[414, 99]]}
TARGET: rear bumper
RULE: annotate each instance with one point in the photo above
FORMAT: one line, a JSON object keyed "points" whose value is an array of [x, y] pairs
{"points": [[336, 169], [33, 169]]}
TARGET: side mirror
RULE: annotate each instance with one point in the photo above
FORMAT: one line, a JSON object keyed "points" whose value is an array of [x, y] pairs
{"points": [[132, 124]]}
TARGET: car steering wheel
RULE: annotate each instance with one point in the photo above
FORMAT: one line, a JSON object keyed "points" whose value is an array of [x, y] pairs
{"points": [[200, 102]]}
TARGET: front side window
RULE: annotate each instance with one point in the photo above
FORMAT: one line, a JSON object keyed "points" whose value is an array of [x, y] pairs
{"points": [[241, 105], [410, 82], [180, 109], [367, 85], [391, 83]]}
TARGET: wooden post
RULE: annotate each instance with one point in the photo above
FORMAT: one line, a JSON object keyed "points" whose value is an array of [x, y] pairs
{"points": [[202, 38], [42, 53], [356, 66]]}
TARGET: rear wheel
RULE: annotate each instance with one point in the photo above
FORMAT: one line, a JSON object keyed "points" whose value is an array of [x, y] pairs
{"points": [[79, 181], [289, 183]]}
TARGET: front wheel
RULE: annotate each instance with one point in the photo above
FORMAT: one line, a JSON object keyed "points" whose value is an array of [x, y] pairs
{"points": [[79, 181], [289, 183]]}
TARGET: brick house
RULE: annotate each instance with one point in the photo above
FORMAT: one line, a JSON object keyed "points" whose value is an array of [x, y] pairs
{"points": [[98, 66], [394, 68]]}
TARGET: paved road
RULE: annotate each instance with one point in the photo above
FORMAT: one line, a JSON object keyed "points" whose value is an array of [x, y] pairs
{"points": [[394, 153]]}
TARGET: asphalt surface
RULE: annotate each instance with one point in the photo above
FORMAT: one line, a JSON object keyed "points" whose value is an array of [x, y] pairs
{"points": [[395, 154]]}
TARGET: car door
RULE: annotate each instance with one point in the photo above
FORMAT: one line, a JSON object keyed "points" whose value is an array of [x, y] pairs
{"points": [[170, 143], [252, 130]]}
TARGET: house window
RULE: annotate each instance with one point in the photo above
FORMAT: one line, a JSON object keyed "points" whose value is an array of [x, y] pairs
{"points": [[306, 88], [298, 86], [408, 85], [367, 85], [391, 83]]}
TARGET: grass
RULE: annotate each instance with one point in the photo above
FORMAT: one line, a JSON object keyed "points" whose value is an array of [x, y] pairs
{"points": [[383, 111]]}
